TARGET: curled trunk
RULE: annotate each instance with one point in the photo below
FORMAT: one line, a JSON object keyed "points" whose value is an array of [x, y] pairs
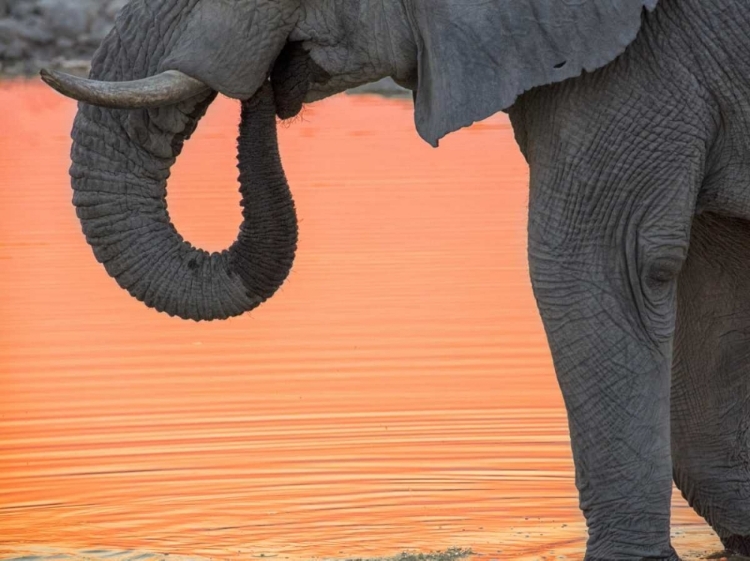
{"points": [[121, 162]]}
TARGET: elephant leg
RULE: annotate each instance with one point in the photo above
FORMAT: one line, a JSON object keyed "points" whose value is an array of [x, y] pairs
{"points": [[610, 333], [711, 378], [617, 161], [609, 228]]}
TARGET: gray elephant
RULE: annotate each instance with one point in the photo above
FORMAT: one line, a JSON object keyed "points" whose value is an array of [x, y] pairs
{"points": [[634, 117]]}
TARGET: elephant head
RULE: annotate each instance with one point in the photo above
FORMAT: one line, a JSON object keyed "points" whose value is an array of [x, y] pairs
{"points": [[155, 74]]}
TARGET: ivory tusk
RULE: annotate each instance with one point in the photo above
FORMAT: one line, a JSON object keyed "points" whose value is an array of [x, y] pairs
{"points": [[167, 88]]}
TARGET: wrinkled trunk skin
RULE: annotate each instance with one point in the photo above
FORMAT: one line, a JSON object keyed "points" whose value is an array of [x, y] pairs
{"points": [[121, 162], [122, 158]]}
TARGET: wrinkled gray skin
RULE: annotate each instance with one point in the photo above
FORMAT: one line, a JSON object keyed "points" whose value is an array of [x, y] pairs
{"points": [[639, 214]]}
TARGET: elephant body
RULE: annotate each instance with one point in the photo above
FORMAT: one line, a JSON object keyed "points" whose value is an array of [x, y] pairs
{"points": [[634, 118]]}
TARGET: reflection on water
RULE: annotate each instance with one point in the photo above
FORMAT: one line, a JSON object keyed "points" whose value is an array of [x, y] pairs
{"points": [[396, 394]]}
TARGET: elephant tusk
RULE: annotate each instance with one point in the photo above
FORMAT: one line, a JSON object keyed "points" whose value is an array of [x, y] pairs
{"points": [[167, 88]]}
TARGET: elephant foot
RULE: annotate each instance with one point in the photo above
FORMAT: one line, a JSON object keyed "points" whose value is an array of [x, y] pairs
{"points": [[728, 556], [739, 545], [672, 557]]}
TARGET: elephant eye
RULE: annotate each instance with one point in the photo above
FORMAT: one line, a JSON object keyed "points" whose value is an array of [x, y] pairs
{"points": [[560, 64]]}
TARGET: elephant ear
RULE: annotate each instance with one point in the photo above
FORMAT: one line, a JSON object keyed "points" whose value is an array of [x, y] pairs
{"points": [[477, 56]]}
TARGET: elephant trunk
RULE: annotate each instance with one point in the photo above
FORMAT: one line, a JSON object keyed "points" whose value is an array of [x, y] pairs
{"points": [[121, 162]]}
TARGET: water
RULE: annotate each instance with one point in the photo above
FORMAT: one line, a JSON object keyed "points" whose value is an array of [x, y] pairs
{"points": [[397, 393]]}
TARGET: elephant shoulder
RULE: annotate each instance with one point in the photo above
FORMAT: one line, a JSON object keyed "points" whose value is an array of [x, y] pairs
{"points": [[477, 56]]}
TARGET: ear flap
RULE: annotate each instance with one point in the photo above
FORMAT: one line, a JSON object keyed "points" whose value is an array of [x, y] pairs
{"points": [[477, 56]]}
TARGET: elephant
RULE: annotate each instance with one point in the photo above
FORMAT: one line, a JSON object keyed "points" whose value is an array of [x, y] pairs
{"points": [[633, 116]]}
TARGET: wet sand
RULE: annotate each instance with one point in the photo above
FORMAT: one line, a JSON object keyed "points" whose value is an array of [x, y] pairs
{"points": [[397, 393]]}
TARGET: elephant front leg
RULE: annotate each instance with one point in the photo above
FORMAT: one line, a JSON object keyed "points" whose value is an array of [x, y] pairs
{"points": [[614, 372], [617, 160], [605, 282]]}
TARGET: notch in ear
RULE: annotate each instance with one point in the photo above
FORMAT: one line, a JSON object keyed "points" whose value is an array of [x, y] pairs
{"points": [[477, 56]]}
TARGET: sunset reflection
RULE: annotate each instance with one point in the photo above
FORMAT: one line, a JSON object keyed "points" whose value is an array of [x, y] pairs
{"points": [[397, 393]]}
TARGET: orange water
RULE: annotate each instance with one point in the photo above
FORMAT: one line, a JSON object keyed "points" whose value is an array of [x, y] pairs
{"points": [[397, 393]]}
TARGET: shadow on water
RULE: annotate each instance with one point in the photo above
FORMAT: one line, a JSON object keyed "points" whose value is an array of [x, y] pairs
{"points": [[397, 394]]}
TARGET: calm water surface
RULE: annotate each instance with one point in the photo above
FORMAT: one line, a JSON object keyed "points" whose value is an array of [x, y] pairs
{"points": [[397, 393]]}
